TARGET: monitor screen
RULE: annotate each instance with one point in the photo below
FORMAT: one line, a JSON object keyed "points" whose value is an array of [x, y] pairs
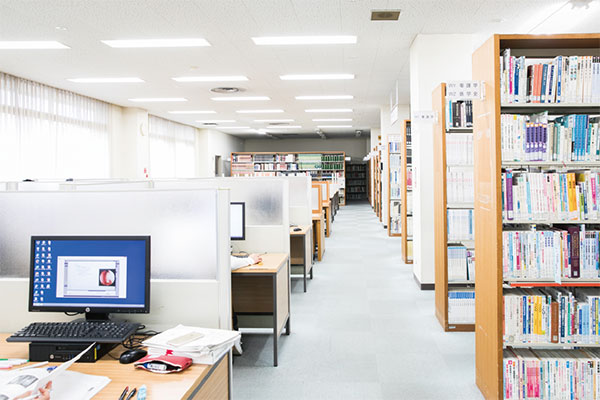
{"points": [[98, 274], [237, 220]]}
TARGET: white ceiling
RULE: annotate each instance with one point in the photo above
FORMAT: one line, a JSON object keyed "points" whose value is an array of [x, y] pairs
{"points": [[378, 59]]}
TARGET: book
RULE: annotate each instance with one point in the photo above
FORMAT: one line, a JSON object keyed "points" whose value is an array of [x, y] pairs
{"points": [[461, 306], [460, 225]]}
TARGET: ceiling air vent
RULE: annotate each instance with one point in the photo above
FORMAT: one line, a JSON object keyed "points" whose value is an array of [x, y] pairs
{"points": [[279, 123], [210, 124], [385, 15], [226, 90]]}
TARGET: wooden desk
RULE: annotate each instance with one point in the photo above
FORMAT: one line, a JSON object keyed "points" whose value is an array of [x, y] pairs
{"points": [[319, 234], [300, 244], [327, 209], [197, 382], [264, 289]]}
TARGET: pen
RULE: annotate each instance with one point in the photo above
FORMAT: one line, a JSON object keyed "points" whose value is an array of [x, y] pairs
{"points": [[122, 396], [131, 394], [33, 365]]}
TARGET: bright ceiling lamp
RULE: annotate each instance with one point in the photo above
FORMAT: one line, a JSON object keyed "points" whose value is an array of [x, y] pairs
{"points": [[567, 17], [224, 78], [329, 110], [296, 40], [106, 80], [234, 127], [284, 127], [216, 121], [273, 120], [315, 77], [31, 45], [333, 126], [156, 43], [241, 98], [331, 97], [157, 99], [259, 111], [332, 119], [193, 112]]}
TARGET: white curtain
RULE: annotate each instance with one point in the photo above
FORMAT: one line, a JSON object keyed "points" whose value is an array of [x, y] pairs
{"points": [[172, 149], [48, 133]]}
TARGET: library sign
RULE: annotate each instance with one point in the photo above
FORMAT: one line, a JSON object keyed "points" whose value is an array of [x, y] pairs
{"points": [[464, 90]]}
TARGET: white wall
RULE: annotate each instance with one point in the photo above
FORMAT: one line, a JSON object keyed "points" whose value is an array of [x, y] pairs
{"points": [[354, 147], [129, 155], [433, 59], [212, 143]]}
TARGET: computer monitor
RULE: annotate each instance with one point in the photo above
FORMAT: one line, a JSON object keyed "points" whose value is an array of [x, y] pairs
{"points": [[237, 220], [96, 275]]}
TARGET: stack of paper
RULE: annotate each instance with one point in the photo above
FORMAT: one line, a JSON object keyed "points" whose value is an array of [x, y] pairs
{"points": [[207, 349]]}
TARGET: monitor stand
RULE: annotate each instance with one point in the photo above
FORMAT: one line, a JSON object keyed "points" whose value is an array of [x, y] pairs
{"points": [[92, 316]]}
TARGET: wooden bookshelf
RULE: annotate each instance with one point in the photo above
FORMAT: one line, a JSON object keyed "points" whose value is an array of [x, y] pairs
{"points": [[406, 149], [441, 206], [488, 187], [330, 166], [394, 152], [356, 181], [376, 178]]}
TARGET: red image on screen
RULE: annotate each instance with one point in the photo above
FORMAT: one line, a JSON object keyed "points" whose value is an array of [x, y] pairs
{"points": [[107, 277]]}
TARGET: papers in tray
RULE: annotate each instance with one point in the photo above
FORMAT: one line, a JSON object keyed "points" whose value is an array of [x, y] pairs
{"points": [[205, 350]]}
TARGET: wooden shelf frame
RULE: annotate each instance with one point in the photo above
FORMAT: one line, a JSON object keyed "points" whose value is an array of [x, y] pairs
{"points": [[342, 195], [488, 190], [406, 131], [440, 215]]}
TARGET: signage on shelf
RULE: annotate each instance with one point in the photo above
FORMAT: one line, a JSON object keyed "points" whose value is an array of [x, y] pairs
{"points": [[464, 90], [424, 116]]}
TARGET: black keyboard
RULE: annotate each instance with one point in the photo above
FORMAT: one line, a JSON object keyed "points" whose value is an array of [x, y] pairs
{"points": [[76, 331]]}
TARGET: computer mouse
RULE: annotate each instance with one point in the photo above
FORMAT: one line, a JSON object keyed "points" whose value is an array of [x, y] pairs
{"points": [[297, 229], [130, 356]]}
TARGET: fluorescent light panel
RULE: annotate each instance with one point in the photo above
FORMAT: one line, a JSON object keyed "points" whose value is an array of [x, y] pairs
{"points": [[217, 121], [334, 126], [31, 45], [157, 99], [331, 97], [332, 119], [284, 127], [329, 110], [106, 80], [315, 77], [234, 127], [273, 120], [193, 112], [148, 43], [241, 98], [296, 40], [228, 78], [259, 111]]}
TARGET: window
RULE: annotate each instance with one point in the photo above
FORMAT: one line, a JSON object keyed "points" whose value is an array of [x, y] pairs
{"points": [[51, 133], [172, 149]]}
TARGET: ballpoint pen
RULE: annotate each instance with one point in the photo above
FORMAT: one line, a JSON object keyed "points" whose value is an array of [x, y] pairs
{"points": [[122, 396], [131, 394]]}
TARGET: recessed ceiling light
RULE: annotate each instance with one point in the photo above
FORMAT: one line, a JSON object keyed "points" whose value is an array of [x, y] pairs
{"points": [[259, 111], [31, 45], [314, 77], [157, 99], [241, 98], [146, 43], [234, 127], [260, 131], [332, 119], [273, 120], [60, 28], [292, 40], [284, 127], [329, 110], [106, 80], [333, 97], [217, 121], [193, 112], [228, 78], [333, 126]]}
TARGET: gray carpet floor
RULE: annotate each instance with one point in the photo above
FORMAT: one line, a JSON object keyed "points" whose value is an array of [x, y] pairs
{"points": [[363, 330]]}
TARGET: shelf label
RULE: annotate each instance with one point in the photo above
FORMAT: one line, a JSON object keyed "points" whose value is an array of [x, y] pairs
{"points": [[424, 116], [464, 90]]}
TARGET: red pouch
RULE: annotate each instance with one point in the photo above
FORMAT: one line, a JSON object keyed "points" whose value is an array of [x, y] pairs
{"points": [[164, 364]]}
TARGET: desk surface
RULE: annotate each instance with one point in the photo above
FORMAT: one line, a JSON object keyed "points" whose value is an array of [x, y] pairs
{"points": [[317, 216], [303, 230], [159, 386], [271, 263]]}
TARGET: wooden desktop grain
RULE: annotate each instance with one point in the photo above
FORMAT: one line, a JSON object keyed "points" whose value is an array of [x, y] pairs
{"points": [[182, 385]]}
